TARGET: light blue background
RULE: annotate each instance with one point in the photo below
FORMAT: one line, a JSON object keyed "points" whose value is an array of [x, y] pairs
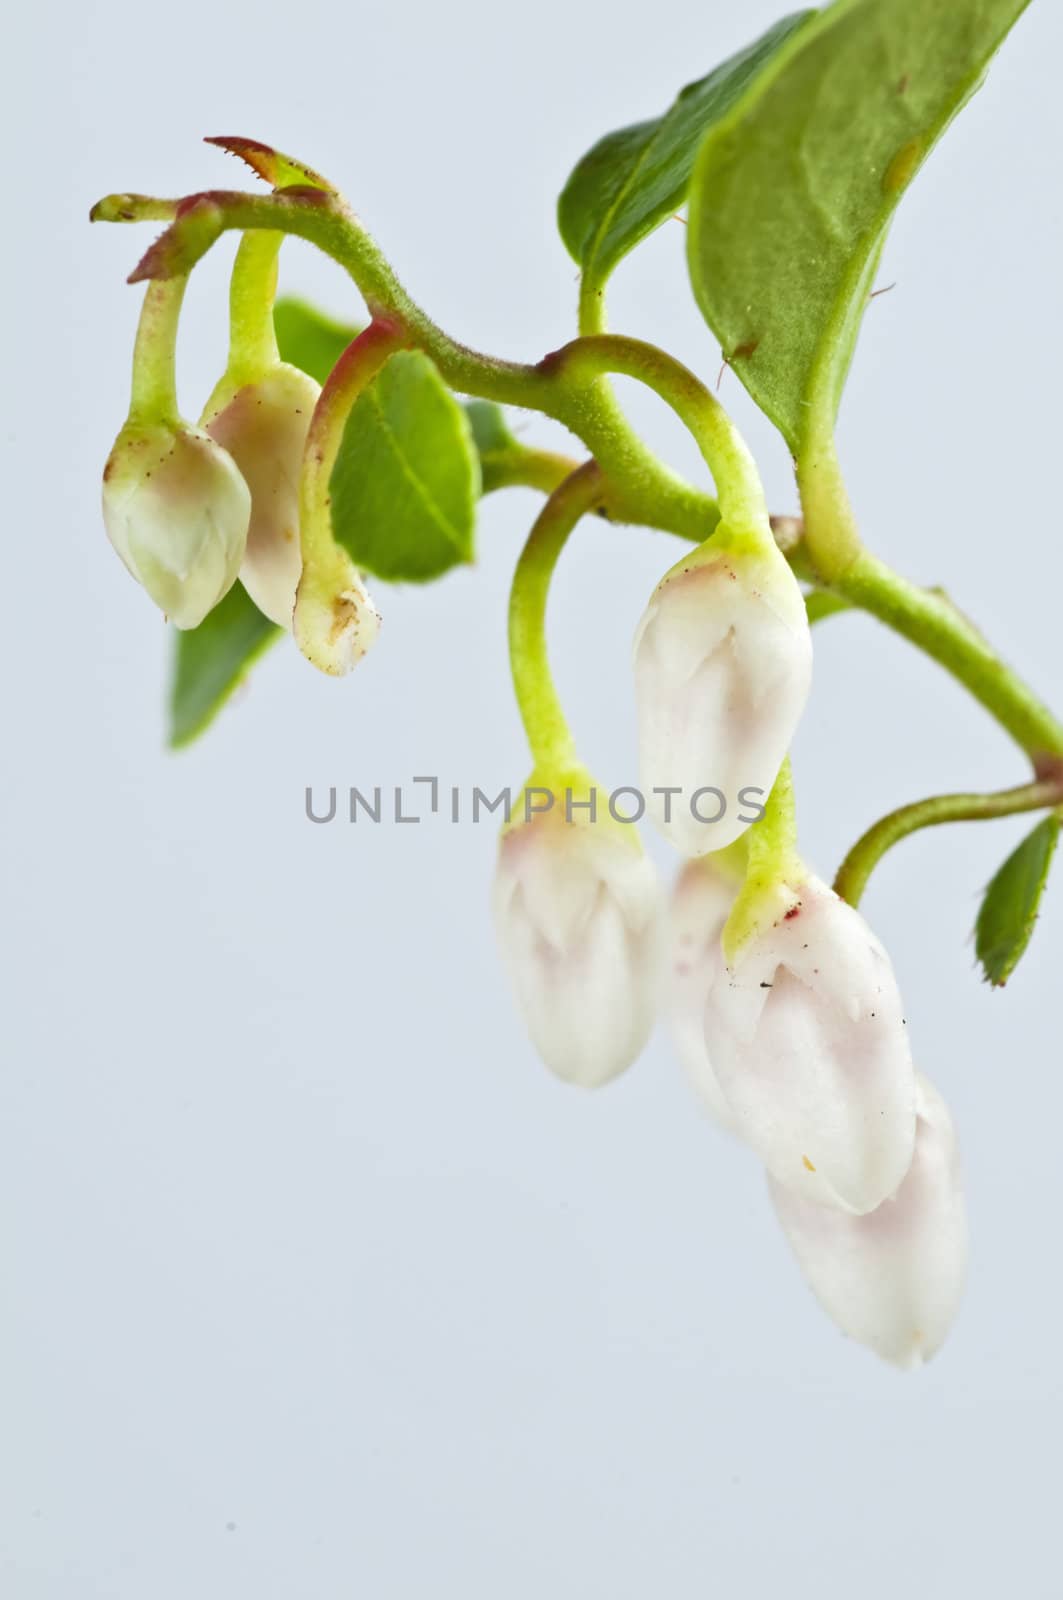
{"points": [[314, 1283]]}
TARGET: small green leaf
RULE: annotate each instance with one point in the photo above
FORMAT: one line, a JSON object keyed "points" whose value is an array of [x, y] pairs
{"points": [[307, 339], [405, 484], [1009, 911], [214, 659], [490, 430], [633, 180], [794, 189]]}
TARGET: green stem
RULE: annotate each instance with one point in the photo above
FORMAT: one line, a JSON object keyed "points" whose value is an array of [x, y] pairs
{"points": [[832, 538], [867, 852], [549, 735], [519, 467], [738, 485], [927, 619], [820, 604], [591, 306], [650, 491], [352, 374], [942, 632], [252, 336], [154, 393], [567, 386]]}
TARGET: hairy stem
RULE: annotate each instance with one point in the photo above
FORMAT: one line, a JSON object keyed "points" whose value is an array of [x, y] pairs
{"points": [[737, 481]]}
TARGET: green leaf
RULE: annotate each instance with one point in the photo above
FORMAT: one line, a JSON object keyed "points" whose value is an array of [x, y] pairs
{"points": [[794, 189], [633, 180], [214, 659], [407, 478], [1009, 911], [490, 430], [307, 339]]}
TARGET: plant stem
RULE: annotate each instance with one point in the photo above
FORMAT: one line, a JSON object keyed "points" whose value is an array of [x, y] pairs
{"points": [[943, 633], [519, 467], [154, 391], [926, 619], [638, 488], [650, 491], [867, 852], [549, 735], [352, 374], [252, 336], [738, 485]]}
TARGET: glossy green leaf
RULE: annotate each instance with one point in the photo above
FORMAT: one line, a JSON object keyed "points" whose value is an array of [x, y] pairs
{"points": [[307, 339], [214, 659], [633, 180], [407, 479], [794, 189], [1009, 910]]}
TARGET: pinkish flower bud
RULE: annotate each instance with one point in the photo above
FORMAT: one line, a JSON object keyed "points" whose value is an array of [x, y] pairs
{"points": [[808, 1043], [176, 510], [576, 910], [263, 425], [723, 664], [893, 1278], [701, 904]]}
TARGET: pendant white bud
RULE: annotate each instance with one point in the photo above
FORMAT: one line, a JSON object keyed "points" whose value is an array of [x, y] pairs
{"points": [[892, 1279], [807, 1039], [576, 908], [263, 425], [176, 509], [723, 665], [700, 906]]}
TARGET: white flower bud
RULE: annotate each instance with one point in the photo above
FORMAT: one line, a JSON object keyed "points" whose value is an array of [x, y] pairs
{"points": [[723, 664], [334, 622], [701, 904], [263, 425], [807, 1039], [892, 1279], [577, 915], [176, 510]]}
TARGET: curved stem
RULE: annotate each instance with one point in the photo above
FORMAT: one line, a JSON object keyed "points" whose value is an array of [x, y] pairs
{"points": [[927, 619], [650, 491], [737, 481], [944, 633], [352, 374], [867, 852], [544, 720], [252, 336], [334, 621], [154, 391]]}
